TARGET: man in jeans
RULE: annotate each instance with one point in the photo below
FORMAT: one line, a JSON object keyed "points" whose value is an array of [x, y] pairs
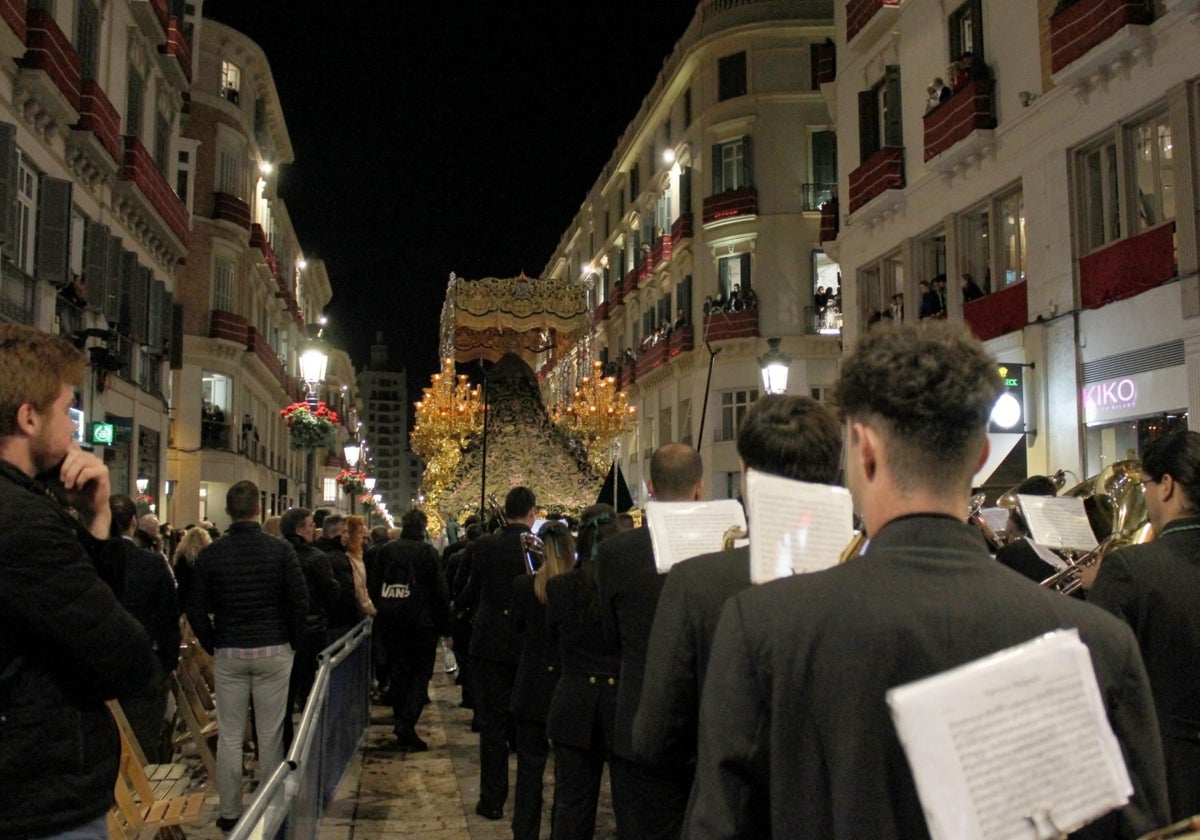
{"points": [[247, 604]]}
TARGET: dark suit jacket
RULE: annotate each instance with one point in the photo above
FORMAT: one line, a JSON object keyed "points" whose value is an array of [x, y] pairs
{"points": [[495, 560], [1155, 587], [149, 595], [795, 735], [664, 730], [585, 698], [629, 587], [537, 672]]}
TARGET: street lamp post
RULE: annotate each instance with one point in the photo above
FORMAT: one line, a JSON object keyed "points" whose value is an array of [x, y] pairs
{"points": [[351, 451], [774, 365], [313, 363]]}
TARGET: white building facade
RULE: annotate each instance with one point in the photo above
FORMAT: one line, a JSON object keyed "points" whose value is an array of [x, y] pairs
{"points": [[1060, 173]]}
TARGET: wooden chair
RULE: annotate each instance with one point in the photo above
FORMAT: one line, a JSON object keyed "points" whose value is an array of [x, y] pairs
{"points": [[148, 797], [196, 707]]}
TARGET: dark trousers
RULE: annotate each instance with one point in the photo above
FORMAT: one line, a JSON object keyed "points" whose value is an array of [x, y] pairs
{"points": [[146, 712], [532, 751], [411, 654], [649, 802], [577, 775], [493, 684], [304, 674]]}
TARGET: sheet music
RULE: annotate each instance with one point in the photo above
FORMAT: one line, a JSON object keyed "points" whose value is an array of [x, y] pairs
{"points": [[796, 526], [991, 753], [1057, 522], [679, 530], [996, 518]]}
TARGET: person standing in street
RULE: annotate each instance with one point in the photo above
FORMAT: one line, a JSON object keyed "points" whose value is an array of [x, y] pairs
{"points": [[66, 643], [247, 604]]}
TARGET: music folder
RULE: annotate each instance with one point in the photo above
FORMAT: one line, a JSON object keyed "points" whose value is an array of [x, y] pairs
{"points": [[994, 757], [1057, 522], [679, 530], [795, 526]]}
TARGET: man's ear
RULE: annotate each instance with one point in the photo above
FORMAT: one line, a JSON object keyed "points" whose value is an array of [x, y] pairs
{"points": [[27, 418], [867, 444]]}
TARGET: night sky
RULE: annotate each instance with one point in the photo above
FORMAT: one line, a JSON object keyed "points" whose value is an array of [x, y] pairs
{"points": [[444, 136]]}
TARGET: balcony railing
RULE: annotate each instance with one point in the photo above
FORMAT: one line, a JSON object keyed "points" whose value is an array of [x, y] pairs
{"points": [[812, 196], [602, 311], [70, 317], [228, 326], [999, 313], [259, 240], [230, 208], [882, 171], [730, 205], [630, 283], [725, 325], [860, 12], [830, 220], [628, 374], [827, 321], [824, 64], [214, 434], [1128, 267], [140, 170], [13, 12], [16, 294], [661, 250], [50, 51], [1077, 27], [97, 115], [178, 48], [682, 339], [682, 227], [967, 110]]}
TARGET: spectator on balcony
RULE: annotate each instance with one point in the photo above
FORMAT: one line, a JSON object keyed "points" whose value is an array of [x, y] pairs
{"points": [[709, 305], [938, 92], [970, 289], [820, 299], [749, 299], [628, 357], [967, 68], [735, 304], [680, 319], [231, 92], [897, 308], [933, 301]]}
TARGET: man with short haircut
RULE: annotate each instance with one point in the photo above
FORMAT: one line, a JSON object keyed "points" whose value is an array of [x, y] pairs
{"points": [[495, 647], [149, 595], [1155, 588], [344, 612], [791, 436], [648, 797], [66, 644], [247, 604], [795, 737]]}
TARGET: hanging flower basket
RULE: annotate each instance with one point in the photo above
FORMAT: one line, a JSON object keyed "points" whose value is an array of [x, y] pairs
{"points": [[367, 501], [352, 481], [309, 429]]}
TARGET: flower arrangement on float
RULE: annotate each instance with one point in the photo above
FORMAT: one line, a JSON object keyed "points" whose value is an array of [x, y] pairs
{"points": [[352, 481], [309, 428]]}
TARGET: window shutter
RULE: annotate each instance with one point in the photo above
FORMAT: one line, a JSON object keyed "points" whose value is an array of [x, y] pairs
{"points": [[717, 186], [8, 184], [53, 231], [174, 317], [745, 258], [723, 277], [139, 305], [112, 281], [685, 190], [95, 264], [747, 174], [893, 127], [154, 329], [868, 125], [976, 45], [129, 274]]}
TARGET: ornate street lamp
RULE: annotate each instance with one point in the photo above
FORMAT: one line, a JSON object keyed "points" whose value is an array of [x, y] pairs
{"points": [[774, 365], [313, 362]]}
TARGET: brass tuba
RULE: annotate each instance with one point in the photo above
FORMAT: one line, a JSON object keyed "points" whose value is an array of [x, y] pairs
{"points": [[1115, 501]]}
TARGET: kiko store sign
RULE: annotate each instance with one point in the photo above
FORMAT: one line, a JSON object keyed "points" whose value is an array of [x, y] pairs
{"points": [[1135, 395]]}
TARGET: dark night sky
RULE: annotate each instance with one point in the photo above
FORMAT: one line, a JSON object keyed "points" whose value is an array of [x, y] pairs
{"points": [[444, 136]]}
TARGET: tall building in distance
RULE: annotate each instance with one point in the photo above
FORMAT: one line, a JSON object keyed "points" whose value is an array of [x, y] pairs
{"points": [[384, 395], [700, 238]]}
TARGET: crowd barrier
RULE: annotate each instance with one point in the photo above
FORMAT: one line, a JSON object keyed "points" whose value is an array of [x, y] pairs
{"points": [[291, 802]]}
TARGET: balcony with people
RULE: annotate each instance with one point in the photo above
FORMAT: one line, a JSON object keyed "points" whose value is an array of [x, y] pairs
{"points": [[731, 316], [959, 107]]}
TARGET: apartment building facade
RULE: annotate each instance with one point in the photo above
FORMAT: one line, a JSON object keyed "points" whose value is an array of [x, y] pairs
{"points": [[385, 407], [1059, 173], [715, 185]]}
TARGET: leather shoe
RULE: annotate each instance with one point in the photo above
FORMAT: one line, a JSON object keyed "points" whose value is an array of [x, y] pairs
{"points": [[410, 739], [489, 813], [226, 824]]}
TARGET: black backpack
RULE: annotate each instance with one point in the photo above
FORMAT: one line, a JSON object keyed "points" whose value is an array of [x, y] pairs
{"points": [[398, 601]]}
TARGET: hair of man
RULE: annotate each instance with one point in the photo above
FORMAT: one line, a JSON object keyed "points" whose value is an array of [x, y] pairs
{"points": [[124, 512], [558, 556], [293, 518], [792, 436], [518, 503], [333, 525], [928, 390], [1177, 455], [379, 535], [34, 367], [241, 501], [676, 470], [413, 524]]}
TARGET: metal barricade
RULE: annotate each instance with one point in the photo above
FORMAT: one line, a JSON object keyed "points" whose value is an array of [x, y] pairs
{"points": [[291, 801]]}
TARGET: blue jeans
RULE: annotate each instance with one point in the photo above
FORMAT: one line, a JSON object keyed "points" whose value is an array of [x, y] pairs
{"points": [[266, 680]]}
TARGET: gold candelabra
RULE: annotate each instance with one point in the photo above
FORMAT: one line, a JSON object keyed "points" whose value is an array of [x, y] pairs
{"points": [[449, 415], [599, 414]]}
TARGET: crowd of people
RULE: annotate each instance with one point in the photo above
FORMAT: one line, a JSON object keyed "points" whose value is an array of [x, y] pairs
{"points": [[721, 708]]}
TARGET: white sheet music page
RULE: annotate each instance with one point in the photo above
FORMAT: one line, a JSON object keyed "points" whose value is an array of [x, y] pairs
{"points": [[992, 753], [795, 526], [1057, 522], [679, 530]]}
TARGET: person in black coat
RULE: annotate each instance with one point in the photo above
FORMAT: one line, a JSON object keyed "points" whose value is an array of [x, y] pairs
{"points": [[344, 613], [1154, 588], [537, 675], [462, 618], [495, 649], [413, 605], [790, 436], [149, 595], [795, 735], [66, 644], [649, 798], [582, 714], [298, 530]]}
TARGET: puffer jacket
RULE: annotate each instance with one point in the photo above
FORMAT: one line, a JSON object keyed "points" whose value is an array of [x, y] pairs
{"points": [[247, 591], [66, 646]]}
